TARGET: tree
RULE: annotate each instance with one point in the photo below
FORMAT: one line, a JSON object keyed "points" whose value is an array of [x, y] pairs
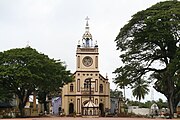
{"points": [[150, 45], [161, 104], [53, 85], [121, 81], [140, 89], [24, 70], [116, 93]]}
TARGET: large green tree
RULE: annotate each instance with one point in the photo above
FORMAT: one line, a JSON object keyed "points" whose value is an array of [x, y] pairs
{"points": [[150, 44], [24, 71]]}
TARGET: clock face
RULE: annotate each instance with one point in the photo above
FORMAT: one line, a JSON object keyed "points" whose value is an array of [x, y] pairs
{"points": [[87, 61]]}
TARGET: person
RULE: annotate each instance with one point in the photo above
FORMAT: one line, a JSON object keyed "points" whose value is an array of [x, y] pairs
{"points": [[156, 112], [59, 110], [152, 114]]}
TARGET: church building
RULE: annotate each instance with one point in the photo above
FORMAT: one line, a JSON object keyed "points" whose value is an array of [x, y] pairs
{"points": [[89, 93]]}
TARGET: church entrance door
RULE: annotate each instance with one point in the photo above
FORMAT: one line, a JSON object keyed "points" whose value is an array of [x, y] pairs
{"points": [[101, 108], [71, 108]]}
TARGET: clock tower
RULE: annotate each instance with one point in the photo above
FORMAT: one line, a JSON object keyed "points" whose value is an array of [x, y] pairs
{"points": [[89, 94], [87, 52]]}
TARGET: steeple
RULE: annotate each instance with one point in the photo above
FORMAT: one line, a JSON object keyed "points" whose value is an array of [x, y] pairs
{"points": [[87, 41], [87, 37]]}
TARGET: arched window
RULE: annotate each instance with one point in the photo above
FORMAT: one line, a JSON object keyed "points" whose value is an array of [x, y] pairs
{"points": [[101, 88], [71, 88], [85, 85]]}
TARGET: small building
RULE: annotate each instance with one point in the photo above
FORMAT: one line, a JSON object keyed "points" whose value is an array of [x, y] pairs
{"points": [[154, 110], [56, 105], [114, 105], [117, 105]]}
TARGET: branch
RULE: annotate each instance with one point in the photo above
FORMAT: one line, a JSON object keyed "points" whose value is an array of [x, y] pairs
{"points": [[151, 69]]}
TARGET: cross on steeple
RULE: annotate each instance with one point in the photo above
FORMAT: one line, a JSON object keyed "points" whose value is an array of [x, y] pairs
{"points": [[28, 44], [87, 24], [87, 19]]}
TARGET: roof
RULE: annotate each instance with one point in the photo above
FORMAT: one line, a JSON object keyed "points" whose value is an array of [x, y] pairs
{"points": [[178, 105], [154, 107], [90, 104], [5, 105]]}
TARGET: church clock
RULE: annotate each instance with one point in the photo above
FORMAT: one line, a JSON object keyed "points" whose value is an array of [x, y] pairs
{"points": [[87, 61]]}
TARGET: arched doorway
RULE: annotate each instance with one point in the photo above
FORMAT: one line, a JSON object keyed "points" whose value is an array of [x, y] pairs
{"points": [[90, 109], [101, 108], [71, 108]]}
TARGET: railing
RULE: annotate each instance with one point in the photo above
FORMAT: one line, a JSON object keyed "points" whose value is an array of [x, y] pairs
{"points": [[86, 49], [86, 91]]}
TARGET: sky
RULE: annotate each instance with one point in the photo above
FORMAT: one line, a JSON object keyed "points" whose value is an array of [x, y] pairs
{"points": [[54, 27]]}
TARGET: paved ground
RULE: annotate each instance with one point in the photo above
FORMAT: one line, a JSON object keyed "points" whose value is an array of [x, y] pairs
{"points": [[79, 118]]}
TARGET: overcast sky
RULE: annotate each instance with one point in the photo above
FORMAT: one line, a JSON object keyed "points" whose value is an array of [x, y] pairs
{"points": [[54, 27]]}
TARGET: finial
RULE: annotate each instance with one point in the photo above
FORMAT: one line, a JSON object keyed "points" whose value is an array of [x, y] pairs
{"points": [[27, 44], [78, 42], [87, 24], [106, 76], [87, 18]]}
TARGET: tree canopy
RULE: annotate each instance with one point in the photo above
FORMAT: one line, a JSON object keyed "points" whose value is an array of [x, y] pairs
{"points": [[150, 45], [116, 93], [24, 71]]}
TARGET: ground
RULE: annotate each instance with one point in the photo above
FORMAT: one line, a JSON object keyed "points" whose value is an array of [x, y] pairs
{"points": [[79, 118]]}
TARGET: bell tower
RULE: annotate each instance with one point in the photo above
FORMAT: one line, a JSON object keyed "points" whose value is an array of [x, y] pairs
{"points": [[87, 52]]}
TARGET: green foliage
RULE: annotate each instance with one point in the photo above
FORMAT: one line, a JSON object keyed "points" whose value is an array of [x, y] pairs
{"points": [[160, 103], [150, 45], [140, 89], [24, 71], [116, 93], [5, 94]]}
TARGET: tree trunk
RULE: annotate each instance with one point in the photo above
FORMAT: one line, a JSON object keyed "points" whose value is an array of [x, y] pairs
{"points": [[22, 102], [45, 102], [45, 106], [170, 104], [170, 97], [176, 97], [167, 88], [21, 108]]}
